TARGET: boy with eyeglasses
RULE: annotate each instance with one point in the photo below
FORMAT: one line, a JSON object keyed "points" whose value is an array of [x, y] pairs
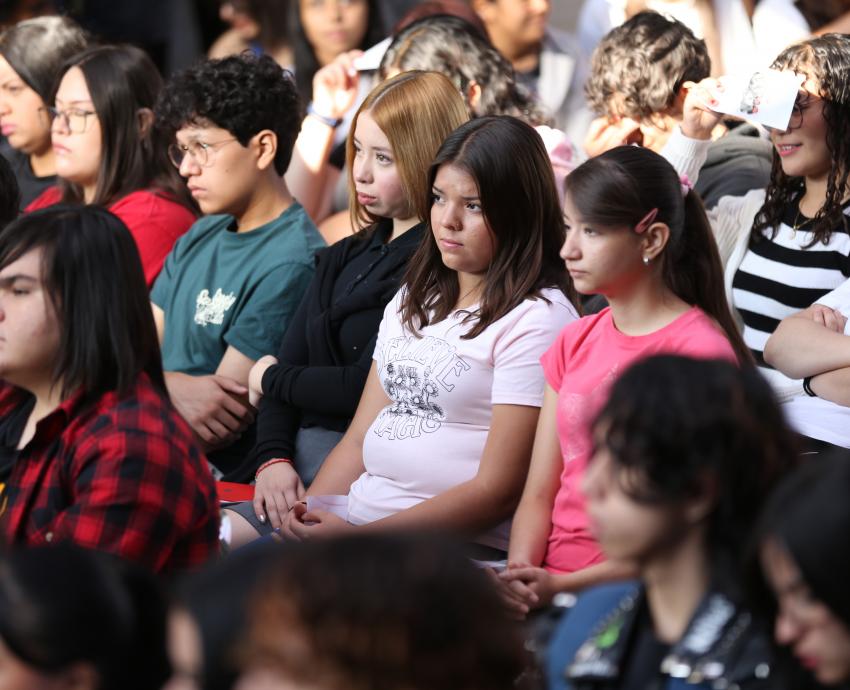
{"points": [[231, 284]]}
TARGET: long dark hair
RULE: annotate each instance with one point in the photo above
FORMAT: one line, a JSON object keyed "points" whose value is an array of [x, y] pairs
{"points": [[827, 60], [306, 62], [621, 186], [520, 201], [123, 82], [809, 516], [93, 274], [681, 427], [62, 605]]}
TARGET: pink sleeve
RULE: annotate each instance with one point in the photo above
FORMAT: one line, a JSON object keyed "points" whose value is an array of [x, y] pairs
{"points": [[554, 361], [155, 223]]}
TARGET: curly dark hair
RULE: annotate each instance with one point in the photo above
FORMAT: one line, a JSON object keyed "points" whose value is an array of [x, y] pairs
{"points": [[826, 59], [454, 47], [639, 67], [676, 425], [382, 612], [243, 94]]}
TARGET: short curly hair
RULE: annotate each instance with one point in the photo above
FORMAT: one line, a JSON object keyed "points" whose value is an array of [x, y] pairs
{"points": [[639, 67], [243, 94]]}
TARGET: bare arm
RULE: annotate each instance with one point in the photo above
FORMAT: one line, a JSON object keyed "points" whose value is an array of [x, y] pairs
{"points": [[833, 386], [533, 520], [808, 343]]}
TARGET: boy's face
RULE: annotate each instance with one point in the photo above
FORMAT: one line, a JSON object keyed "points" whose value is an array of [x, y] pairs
{"points": [[220, 173], [521, 22]]}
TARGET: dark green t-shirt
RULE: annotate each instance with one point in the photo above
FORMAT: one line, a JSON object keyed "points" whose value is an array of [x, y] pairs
{"points": [[220, 288]]}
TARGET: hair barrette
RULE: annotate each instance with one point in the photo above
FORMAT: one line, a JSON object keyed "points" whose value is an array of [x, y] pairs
{"points": [[646, 221]]}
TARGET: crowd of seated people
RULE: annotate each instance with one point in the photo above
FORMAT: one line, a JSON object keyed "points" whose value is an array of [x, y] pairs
{"points": [[540, 401]]}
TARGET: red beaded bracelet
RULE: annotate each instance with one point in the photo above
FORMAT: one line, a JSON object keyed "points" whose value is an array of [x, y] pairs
{"points": [[269, 463]]}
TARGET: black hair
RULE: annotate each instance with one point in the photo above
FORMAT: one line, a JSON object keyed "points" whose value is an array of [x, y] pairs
{"points": [[454, 47], [37, 49], [306, 62], [809, 516], [93, 275], [373, 612], [124, 82], [826, 59], [243, 94], [638, 68], [61, 605], [522, 208], [10, 194], [681, 427], [216, 598], [621, 186]]}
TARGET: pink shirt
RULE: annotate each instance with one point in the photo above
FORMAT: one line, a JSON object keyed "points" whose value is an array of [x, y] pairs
{"points": [[581, 365]]}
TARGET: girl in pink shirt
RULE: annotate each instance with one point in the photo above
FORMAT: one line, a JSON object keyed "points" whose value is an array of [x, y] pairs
{"points": [[639, 236]]}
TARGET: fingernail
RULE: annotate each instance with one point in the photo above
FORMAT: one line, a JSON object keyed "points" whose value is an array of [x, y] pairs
{"points": [[262, 518]]}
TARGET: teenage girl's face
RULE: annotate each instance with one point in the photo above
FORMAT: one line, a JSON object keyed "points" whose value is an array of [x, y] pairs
{"points": [[460, 229], [627, 530], [816, 637], [376, 176], [21, 123], [334, 26], [78, 147], [802, 147], [600, 260], [29, 326]]}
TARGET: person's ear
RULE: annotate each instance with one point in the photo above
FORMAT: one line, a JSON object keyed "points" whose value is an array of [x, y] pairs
{"points": [[484, 9], [266, 146], [473, 95], [653, 241], [698, 508], [145, 118]]}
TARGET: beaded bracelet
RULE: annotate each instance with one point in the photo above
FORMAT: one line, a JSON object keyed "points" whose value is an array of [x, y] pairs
{"points": [[807, 387], [269, 463]]}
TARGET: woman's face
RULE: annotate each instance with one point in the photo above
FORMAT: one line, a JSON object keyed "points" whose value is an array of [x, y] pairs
{"points": [[377, 181], [26, 129], [334, 26], [76, 132], [816, 637], [627, 530], [802, 148]]}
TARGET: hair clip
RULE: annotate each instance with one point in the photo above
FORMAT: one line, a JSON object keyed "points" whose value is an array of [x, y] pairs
{"points": [[646, 221], [686, 184]]}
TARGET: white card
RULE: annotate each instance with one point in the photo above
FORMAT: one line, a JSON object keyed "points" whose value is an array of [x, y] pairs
{"points": [[766, 96]]}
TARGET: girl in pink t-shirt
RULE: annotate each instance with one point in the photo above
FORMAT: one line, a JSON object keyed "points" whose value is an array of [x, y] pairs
{"points": [[639, 236]]}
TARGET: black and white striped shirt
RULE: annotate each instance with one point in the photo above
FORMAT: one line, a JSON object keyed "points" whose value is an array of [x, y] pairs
{"points": [[780, 276]]}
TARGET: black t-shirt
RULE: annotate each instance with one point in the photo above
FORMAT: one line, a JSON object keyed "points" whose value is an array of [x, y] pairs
{"points": [[642, 668], [11, 427], [29, 185]]}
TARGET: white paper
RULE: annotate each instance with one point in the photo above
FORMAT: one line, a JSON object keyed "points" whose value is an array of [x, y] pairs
{"points": [[766, 96]]}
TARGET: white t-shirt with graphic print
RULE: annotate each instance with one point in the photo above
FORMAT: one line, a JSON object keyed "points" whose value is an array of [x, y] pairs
{"points": [[431, 437]]}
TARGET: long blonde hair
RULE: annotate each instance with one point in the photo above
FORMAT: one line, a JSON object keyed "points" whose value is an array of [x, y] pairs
{"points": [[416, 111]]}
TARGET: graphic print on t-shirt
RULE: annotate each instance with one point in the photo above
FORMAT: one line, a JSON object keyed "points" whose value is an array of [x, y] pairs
{"points": [[415, 372], [210, 310]]}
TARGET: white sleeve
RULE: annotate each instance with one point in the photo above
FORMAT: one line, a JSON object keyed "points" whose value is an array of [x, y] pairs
{"points": [[839, 299], [518, 374], [686, 155]]}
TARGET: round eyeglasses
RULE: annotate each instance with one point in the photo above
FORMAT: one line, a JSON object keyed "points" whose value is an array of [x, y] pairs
{"points": [[201, 152]]}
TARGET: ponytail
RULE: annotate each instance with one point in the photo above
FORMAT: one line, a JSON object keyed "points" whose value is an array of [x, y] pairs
{"points": [[693, 272]]}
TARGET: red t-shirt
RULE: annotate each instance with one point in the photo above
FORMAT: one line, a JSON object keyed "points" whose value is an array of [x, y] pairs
{"points": [[581, 365], [154, 220]]}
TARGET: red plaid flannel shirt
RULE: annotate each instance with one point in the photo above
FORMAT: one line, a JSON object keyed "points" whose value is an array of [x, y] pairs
{"points": [[120, 474]]}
